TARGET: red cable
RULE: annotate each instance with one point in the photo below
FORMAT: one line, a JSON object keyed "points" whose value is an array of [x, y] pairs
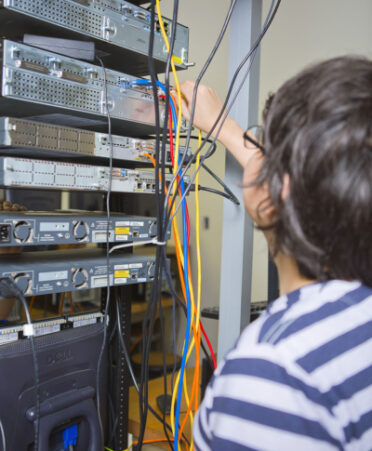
{"points": [[209, 345], [172, 158], [188, 230]]}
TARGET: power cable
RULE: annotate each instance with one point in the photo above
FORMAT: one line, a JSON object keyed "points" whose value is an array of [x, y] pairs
{"points": [[108, 288], [131, 371], [9, 289], [148, 321]]}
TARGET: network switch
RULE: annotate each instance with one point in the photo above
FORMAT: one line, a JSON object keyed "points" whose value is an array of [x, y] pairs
{"points": [[30, 228], [43, 174], [37, 273], [48, 87], [120, 29], [41, 140]]}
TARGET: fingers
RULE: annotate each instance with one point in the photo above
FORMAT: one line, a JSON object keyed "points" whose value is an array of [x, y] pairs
{"points": [[187, 89], [185, 109]]}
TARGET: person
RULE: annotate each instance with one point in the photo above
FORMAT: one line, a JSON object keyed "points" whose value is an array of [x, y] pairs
{"points": [[300, 376]]}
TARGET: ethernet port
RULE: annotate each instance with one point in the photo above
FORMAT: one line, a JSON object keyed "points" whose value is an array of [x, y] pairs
{"points": [[139, 185], [148, 186], [134, 276], [4, 233], [135, 234], [158, 28]]}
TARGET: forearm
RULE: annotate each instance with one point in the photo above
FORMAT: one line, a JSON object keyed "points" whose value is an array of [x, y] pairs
{"points": [[231, 137], [206, 112]]}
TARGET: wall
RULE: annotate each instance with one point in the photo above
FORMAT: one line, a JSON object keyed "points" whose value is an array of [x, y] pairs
{"points": [[303, 32], [202, 38]]}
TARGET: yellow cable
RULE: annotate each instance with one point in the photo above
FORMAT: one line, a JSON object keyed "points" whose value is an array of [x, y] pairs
{"points": [[178, 89], [197, 225], [197, 219], [179, 118], [179, 248]]}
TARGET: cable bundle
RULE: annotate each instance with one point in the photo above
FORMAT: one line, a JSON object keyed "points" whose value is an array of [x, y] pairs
{"points": [[167, 208]]}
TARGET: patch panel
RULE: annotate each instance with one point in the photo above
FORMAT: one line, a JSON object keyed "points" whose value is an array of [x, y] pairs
{"points": [[37, 139]]}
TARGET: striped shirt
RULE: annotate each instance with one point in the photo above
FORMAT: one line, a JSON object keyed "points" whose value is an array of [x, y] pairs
{"points": [[299, 377]]}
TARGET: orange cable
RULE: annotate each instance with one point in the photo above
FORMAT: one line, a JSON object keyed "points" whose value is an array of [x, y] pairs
{"points": [[195, 385], [71, 302], [31, 304], [61, 303]]}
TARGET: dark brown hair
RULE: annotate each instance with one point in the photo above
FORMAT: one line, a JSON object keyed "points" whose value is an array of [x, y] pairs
{"points": [[318, 129]]}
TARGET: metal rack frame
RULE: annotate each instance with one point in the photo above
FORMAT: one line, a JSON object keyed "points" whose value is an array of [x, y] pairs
{"points": [[237, 238]]}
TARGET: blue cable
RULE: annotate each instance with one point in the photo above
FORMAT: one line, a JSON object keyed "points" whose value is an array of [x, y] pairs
{"points": [[188, 309], [187, 286], [145, 82]]}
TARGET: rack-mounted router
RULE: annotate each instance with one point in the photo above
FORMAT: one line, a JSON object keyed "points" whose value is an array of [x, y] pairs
{"points": [[54, 88], [120, 29], [37, 273], [37, 139], [30, 228], [43, 174]]}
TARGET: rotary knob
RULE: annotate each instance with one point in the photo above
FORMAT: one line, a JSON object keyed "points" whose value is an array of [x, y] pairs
{"points": [[79, 277], [80, 230], [22, 231]]}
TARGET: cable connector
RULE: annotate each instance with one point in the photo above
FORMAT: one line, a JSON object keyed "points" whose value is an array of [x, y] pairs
{"points": [[70, 436], [28, 330], [126, 84]]}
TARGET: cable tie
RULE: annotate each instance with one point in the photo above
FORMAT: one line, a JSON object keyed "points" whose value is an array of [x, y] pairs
{"points": [[28, 330], [138, 243], [159, 243]]}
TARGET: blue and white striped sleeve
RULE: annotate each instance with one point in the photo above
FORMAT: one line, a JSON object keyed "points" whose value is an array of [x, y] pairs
{"points": [[258, 401]]}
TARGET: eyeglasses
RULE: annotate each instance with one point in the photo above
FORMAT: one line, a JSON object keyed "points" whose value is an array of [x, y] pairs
{"points": [[254, 135]]}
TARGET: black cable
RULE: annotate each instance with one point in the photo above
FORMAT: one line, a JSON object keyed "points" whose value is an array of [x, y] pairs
{"points": [[148, 321], [108, 296], [130, 367], [9, 289], [194, 137], [219, 193], [267, 24], [222, 183], [162, 335], [249, 54], [162, 232], [192, 112], [252, 51], [180, 302]]}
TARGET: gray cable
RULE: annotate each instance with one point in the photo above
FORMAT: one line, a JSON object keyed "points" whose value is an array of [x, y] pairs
{"points": [[9, 289], [105, 318], [3, 435], [251, 55], [202, 72]]}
